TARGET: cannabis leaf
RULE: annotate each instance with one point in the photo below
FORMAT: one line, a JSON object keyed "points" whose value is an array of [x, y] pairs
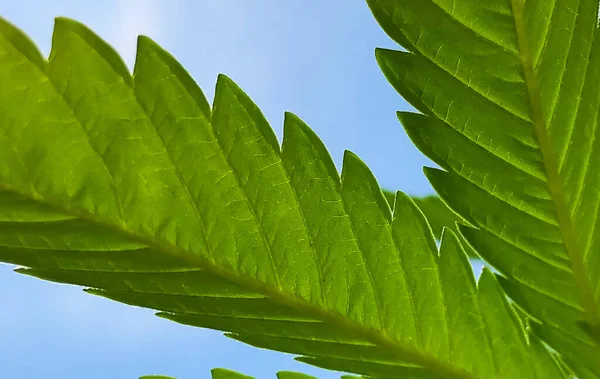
{"points": [[437, 213], [136, 188], [510, 99], [228, 374], [219, 373]]}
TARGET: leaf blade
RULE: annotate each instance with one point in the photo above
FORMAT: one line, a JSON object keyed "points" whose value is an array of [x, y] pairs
{"points": [[297, 249], [515, 142]]}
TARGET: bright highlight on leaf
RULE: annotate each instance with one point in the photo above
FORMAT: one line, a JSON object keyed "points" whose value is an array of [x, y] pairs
{"points": [[134, 187], [509, 92]]}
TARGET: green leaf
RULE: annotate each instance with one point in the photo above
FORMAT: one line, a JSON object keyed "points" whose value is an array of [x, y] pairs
{"points": [[135, 188], [510, 100], [221, 373], [437, 213], [293, 375]]}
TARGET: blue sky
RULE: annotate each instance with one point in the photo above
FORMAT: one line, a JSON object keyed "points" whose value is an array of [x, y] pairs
{"points": [[314, 58]]}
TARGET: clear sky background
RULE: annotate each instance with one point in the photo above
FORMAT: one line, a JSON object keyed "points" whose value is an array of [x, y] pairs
{"points": [[314, 58]]}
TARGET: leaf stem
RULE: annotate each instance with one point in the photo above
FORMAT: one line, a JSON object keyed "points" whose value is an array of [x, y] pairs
{"points": [[554, 182]]}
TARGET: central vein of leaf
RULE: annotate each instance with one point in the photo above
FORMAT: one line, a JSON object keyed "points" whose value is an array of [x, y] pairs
{"points": [[554, 181], [379, 338]]}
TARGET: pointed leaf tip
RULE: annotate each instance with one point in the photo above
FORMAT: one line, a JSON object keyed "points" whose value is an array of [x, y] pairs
{"points": [[61, 39], [293, 375], [222, 373], [145, 42], [22, 43], [295, 130], [22, 270], [241, 105], [155, 55], [224, 80], [353, 165]]}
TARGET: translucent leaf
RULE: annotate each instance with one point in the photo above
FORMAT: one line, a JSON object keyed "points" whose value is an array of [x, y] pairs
{"points": [[508, 92], [134, 187], [437, 213]]}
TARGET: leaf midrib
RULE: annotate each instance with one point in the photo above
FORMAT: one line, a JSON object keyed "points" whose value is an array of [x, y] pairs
{"points": [[550, 162], [281, 296]]}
